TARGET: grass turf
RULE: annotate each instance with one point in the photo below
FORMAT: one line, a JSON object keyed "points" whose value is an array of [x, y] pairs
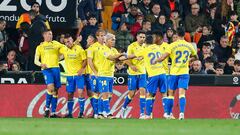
{"points": [[35, 126]]}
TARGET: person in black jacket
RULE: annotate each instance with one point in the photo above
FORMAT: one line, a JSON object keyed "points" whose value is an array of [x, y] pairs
{"points": [[35, 37]]}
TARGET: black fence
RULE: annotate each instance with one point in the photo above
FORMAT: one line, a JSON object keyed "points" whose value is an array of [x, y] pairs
{"points": [[119, 79]]}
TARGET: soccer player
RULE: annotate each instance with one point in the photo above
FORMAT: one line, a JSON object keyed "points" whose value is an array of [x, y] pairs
{"points": [[156, 74], [108, 56], [158, 40], [94, 63], [137, 75], [75, 60], [48, 52], [180, 52], [87, 80]]}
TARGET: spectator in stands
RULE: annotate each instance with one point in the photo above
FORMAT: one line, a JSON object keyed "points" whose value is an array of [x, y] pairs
{"points": [[223, 51], [89, 7], [123, 38], [229, 67], [195, 20], [216, 22], [176, 19], [209, 65], [3, 39], [11, 59], [118, 11], [232, 26], [60, 38], [172, 5], [197, 68], [219, 69], [16, 67], [89, 29], [168, 35], [236, 68], [205, 36], [25, 17], [144, 7], [227, 7], [35, 37], [186, 4], [161, 24], [137, 26], [130, 18], [146, 26], [156, 9]]}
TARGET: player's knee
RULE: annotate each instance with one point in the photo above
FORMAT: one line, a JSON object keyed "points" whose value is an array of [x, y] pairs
{"points": [[170, 93], [131, 94], [80, 93], [105, 95], [70, 96], [182, 92]]}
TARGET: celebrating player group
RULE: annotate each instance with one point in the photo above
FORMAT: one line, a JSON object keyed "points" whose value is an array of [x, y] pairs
{"points": [[93, 69]]}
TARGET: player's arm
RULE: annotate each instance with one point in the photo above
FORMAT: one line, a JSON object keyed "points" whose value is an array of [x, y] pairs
{"points": [[84, 65], [162, 58], [90, 62], [37, 61]]}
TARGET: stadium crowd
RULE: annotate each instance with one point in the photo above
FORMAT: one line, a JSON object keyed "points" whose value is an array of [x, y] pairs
{"points": [[212, 26]]}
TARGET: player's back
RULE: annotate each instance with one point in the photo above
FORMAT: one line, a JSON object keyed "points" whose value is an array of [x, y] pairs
{"points": [[150, 53], [180, 52], [49, 53]]}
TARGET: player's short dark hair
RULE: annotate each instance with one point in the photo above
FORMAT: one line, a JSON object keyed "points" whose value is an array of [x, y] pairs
{"points": [[35, 3], [157, 33], [141, 32], [149, 39], [68, 36], [237, 62], [181, 32], [46, 30]]}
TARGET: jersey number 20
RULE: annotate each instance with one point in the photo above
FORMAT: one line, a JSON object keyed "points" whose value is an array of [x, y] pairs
{"points": [[153, 56]]}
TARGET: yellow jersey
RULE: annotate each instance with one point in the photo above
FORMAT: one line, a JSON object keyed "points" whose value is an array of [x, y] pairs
{"points": [[93, 52], [134, 49], [163, 48], [151, 53], [49, 53], [180, 52], [107, 66], [73, 59]]}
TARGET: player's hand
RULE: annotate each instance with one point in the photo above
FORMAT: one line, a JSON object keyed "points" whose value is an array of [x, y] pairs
{"points": [[154, 62], [79, 39], [139, 58], [43, 66], [122, 58], [134, 68], [80, 72]]}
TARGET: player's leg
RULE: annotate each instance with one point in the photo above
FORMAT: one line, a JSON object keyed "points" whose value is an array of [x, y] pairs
{"points": [[173, 81], [183, 86], [141, 83], [104, 91], [132, 86], [151, 92], [88, 88], [50, 88], [163, 90], [81, 99], [57, 85], [95, 95], [70, 88]]}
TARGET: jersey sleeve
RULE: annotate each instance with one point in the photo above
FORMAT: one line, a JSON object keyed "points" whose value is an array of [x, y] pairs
{"points": [[129, 51], [193, 51], [38, 51], [168, 49], [90, 52], [62, 50]]}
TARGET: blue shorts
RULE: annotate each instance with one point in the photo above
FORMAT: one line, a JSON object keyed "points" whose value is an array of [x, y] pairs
{"points": [[87, 81], [168, 77], [137, 81], [73, 82], [179, 81], [105, 84], [155, 82], [94, 83], [52, 76]]}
